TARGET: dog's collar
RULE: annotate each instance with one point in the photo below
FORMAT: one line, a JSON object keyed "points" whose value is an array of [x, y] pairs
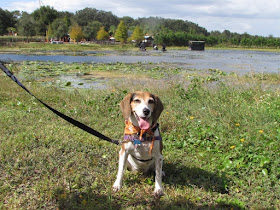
{"points": [[135, 138]]}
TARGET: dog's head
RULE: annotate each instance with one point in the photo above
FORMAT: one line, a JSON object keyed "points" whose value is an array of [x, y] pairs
{"points": [[144, 106]]}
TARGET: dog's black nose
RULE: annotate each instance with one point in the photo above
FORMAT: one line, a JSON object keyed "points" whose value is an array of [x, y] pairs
{"points": [[146, 111]]}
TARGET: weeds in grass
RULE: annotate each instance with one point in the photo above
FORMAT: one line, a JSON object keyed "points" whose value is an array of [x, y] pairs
{"points": [[221, 144]]}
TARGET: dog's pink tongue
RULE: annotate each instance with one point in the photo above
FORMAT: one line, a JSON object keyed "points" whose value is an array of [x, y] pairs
{"points": [[143, 124]]}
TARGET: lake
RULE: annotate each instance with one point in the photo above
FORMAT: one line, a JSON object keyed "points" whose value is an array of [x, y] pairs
{"points": [[238, 61]]}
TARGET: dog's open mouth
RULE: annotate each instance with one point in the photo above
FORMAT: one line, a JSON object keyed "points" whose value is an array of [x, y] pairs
{"points": [[143, 122]]}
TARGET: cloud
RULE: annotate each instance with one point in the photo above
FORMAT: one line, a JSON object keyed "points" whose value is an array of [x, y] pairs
{"points": [[252, 16], [179, 8], [27, 6]]}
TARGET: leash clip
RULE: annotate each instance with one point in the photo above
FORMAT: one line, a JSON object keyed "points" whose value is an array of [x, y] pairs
{"points": [[137, 142]]}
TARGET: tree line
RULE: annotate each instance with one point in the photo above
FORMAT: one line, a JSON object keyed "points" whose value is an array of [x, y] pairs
{"points": [[92, 24], [215, 38]]}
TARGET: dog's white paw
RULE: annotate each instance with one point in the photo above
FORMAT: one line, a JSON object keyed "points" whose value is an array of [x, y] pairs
{"points": [[116, 187], [158, 192]]}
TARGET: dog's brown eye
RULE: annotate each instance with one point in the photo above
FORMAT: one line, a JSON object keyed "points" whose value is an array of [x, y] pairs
{"points": [[137, 101], [151, 101]]}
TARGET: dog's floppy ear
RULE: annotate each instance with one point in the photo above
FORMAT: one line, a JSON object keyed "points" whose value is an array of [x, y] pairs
{"points": [[158, 109], [125, 106]]}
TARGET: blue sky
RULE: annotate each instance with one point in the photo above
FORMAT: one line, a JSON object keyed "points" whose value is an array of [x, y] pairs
{"points": [[256, 17]]}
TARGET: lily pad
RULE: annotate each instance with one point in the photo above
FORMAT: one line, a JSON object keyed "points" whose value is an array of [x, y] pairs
{"points": [[68, 84]]}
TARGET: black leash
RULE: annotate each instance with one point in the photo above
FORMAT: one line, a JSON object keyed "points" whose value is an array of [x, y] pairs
{"points": [[65, 117]]}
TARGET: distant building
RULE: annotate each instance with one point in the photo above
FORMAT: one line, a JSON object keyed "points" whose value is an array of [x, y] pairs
{"points": [[112, 39], [196, 45]]}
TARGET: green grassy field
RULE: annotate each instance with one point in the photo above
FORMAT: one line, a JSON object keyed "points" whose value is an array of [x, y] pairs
{"points": [[221, 138], [65, 48], [61, 48]]}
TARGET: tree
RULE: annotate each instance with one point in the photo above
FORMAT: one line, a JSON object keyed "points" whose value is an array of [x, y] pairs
{"points": [[59, 27], [84, 16], [44, 16], [121, 33], [112, 30], [90, 31], [6, 20], [16, 14], [226, 34], [102, 34], [107, 19], [67, 16], [87, 15], [137, 35], [176, 25], [26, 25], [76, 33], [49, 33], [151, 25], [128, 21]]}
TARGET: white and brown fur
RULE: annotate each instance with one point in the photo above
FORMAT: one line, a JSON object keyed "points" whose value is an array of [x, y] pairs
{"points": [[146, 105]]}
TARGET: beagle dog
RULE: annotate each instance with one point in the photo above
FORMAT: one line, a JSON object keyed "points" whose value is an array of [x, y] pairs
{"points": [[142, 145]]}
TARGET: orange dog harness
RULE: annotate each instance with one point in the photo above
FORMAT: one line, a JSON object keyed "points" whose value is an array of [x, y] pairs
{"points": [[134, 134]]}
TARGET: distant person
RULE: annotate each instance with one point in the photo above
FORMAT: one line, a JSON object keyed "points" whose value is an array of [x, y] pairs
{"points": [[155, 47], [142, 46], [163, 47]]}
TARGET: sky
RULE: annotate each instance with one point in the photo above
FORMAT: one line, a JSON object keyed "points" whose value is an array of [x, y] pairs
{"points": [[255, 17]]}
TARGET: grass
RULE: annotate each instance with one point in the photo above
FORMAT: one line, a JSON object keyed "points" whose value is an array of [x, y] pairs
{"points": [[221, 143], [61, 48], [47, 48]]}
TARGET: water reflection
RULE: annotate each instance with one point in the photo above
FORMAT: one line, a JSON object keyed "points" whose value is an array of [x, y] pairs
{"points": [[226, 60]]}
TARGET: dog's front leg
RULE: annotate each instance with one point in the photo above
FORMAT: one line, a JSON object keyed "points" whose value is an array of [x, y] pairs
{"points": [[122, 166], [158, 180]]}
